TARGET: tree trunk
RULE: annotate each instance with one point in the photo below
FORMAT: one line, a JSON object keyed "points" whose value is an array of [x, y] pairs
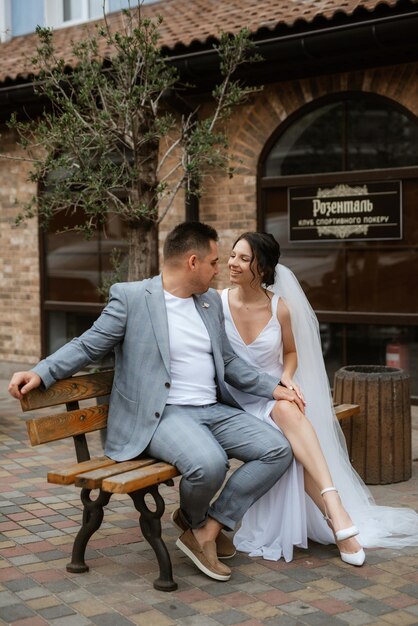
{"points": [[143, 249]]}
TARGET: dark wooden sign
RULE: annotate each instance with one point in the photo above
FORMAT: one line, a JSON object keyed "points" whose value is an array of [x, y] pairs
{"points": [[346, 212]]}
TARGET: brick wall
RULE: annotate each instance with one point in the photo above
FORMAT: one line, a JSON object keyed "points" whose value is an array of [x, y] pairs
{"points": [[19, 261], [230, 205]]}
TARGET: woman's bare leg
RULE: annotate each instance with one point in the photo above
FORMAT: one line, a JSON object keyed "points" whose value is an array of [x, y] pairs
{"points": [[307, 450]]}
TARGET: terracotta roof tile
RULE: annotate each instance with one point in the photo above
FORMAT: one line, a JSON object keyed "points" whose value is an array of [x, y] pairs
{"points": [[186, 22]]}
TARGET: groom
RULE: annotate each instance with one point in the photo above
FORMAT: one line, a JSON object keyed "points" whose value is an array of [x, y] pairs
{"points": [[169, 399]]}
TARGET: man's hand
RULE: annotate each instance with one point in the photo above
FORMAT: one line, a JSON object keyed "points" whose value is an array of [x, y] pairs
{"points": [[23, 382], [283, 393]]}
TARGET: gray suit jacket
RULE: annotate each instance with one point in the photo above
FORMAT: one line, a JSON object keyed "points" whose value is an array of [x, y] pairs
{"points": [[134, 324]]}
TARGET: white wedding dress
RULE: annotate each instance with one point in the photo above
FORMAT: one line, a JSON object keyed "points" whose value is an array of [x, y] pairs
{"points": [[285, 516]]}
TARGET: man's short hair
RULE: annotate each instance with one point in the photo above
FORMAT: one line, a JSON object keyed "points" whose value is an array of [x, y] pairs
{"points": [[188, 237]]}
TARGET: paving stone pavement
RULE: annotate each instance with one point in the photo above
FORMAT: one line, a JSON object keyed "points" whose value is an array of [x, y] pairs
{"points": [[38, 522]]}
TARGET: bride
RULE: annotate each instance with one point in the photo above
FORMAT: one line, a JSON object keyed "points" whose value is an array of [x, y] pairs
{"points": [[270, 323]]}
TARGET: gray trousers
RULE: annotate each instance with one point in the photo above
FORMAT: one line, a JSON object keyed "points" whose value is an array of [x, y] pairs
{"points": [[200, 440]]}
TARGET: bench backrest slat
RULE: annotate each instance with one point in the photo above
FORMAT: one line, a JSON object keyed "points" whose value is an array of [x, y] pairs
{"points": [[62, 425], [70, 389]]}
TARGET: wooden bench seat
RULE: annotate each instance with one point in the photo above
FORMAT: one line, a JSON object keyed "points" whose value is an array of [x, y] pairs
{"points": [[136, 478]]}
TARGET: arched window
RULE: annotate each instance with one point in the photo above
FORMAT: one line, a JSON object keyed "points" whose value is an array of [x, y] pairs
{"points": [[364, 291], [350, 134]]}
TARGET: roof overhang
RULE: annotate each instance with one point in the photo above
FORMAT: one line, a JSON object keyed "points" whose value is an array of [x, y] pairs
{"points": [[343, 44], [386, 36]]}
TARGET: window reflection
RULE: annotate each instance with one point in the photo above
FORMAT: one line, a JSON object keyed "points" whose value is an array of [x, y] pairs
{"points": [[320, 275], [382, 280], [313, 144], [72, 10], [350, 134], [76, 267], [370, 344], [64, 326], [95, 8], [379, 138], [77, 9]]}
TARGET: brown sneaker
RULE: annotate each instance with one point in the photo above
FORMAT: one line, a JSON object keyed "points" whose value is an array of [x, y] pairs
{"points": [[204, 557], [224, 547]]}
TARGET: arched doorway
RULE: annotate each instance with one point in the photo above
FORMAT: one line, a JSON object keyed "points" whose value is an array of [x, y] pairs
{"points": [[361, 284]]}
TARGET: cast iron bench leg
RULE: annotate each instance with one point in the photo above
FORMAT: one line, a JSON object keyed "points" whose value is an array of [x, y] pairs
{"points": [[92, 518], [150, 522]]}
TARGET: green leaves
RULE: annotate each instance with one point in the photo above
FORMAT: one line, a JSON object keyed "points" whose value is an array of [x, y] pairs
{"points": [[110, 137]]}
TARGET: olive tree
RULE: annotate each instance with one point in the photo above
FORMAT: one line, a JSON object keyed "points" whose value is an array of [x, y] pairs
{"points": [[110, 138]]}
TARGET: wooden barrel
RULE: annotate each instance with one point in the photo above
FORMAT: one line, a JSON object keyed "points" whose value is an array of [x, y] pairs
{"points": [[379, 437]]}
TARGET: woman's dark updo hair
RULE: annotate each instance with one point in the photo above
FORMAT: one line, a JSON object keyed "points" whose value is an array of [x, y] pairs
{"points": [[266, 253]]}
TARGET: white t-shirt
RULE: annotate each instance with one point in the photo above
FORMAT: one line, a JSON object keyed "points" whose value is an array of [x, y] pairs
{"points": [[191, 358]]}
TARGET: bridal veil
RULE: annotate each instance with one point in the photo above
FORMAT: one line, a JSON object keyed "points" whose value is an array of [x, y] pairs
{"points": [[380, 526]]}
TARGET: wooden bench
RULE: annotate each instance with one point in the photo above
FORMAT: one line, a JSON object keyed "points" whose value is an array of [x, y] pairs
{"points": [[137, 478]]}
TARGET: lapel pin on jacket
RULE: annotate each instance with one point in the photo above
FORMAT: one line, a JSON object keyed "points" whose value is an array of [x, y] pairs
{"points": [[205, 305]]}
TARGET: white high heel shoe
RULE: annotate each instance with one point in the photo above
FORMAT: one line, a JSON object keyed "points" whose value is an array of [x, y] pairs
{"points": [[344, 533], [352, 558]]}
